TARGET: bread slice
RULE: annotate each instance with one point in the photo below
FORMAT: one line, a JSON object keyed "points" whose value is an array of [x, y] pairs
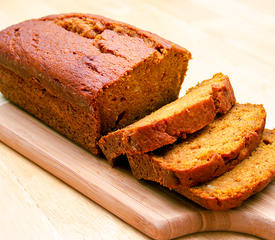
{"points": [[184, 116], [207, 154], [247, 178]]}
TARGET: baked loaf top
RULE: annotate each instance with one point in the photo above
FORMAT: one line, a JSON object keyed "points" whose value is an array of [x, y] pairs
{"points": [[183, 116], [246, 179], [206, 154], [75, 56]]}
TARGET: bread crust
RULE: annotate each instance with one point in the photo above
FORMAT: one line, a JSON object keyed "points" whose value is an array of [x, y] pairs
{"points": [[42, 49], [67, 119]]}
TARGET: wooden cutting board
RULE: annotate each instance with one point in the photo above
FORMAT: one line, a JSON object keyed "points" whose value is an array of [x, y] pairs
{"points": [[153, 210]]}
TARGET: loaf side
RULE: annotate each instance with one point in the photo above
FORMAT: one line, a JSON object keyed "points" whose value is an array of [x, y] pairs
{"points": [[69, 120]]}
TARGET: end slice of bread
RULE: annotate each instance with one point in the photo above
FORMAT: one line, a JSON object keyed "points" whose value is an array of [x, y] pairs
{"points": [[247, 178], [184, 116], [206, 154]]}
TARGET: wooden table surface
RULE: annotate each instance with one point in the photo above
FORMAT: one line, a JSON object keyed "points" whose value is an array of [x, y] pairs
{"points": [[233, 37]]}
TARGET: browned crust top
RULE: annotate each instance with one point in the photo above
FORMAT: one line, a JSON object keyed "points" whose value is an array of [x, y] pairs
{"points": [[72, 64]]}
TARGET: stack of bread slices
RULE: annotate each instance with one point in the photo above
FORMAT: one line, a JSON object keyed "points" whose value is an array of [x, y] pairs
{"points": [[204, 145]]}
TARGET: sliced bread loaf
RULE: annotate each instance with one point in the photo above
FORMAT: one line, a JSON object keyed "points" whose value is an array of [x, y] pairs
{"points": [[184, 116], [206, 154], [246, 179], [86, 75]]}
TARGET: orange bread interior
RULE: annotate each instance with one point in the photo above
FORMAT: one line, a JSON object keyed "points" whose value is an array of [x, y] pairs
{"points": [[206, 154], [247, 178]]}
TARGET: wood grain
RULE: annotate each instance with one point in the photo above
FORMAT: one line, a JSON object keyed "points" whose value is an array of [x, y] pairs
{"points": [[148, 207], [13, 195]]}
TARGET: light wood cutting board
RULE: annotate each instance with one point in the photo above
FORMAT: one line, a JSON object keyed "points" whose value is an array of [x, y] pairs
{"points": [[153, 210]]}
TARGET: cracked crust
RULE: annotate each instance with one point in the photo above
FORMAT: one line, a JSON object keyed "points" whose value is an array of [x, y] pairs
{"points": [[206, 154], [249, 177], [184, 116]]}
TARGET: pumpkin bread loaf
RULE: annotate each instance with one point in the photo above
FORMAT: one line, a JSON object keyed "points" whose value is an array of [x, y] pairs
{"points": [[86, 75], [183, 116], [247, 178], [206, 154]]}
